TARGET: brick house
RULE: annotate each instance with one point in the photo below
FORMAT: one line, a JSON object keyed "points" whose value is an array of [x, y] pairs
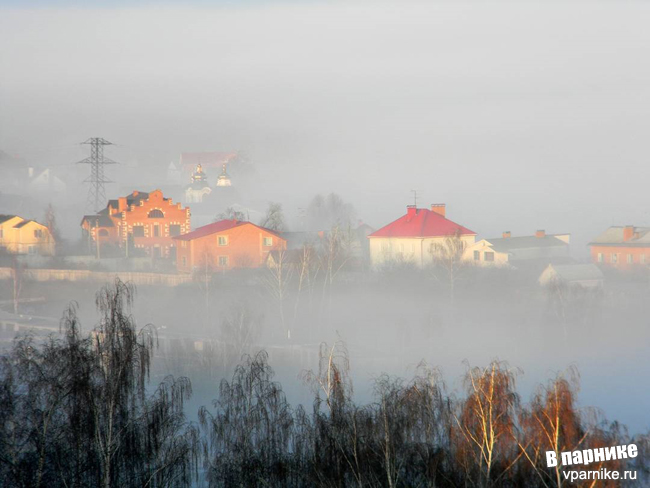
{"points": [[147, 221], [226, 244], [413, 236], [622, 247]]}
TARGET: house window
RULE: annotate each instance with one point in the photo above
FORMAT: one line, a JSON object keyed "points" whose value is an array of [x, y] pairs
{"points": [[156, 214], [184, 244], [223, 240], [38, 233], [601, 258], [184, 261], [32, 250], [103, 232], [156, 230], [614, 258], [477, 255], [223, 260], [138, 231], [2, 233], [174, 230], [268, 241], [630, 259], [488, 256]]}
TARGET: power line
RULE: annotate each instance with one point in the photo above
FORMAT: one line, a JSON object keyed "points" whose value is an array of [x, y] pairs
{"points": [[96, 192]]}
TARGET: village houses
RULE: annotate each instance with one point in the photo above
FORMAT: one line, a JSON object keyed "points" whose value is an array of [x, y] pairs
{"points": [[146, 221], [226, 244], [21, 236], [622, 247], [415, 237], [510, 251]]}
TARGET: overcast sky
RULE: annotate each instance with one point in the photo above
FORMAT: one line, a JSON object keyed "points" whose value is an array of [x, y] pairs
{"points": [[518, 115]]}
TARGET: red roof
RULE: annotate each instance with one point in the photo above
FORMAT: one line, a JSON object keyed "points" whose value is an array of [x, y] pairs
{"points": [[421, 222], [220, 226]]}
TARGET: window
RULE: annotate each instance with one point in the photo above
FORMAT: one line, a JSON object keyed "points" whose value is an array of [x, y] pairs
{"points": [[222, 240], [156, 214], [138, 231], [600, 257], [223, 260], [1, 233], [184, 261], [156, 230], [477, 255], [488, 256], [268, 241], [38, 233], [184, 244], [174, 230], [32, 249], [630, 259], [614, 258], [103, 232]]}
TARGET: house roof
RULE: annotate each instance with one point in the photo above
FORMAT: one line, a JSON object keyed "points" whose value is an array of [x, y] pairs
{"points": [[614, 237], [220, 226], [22, 224], [576, 272], [421, 222], [4, 218], [507, 244]]}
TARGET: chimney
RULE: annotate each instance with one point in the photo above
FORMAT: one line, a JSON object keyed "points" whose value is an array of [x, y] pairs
{"points": [[506, 234], [540, 233], [135, 193], [438, 208], [121, 204], [628, 232], [411, 211]]}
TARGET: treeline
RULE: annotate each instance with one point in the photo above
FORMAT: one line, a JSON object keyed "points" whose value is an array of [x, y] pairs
{"points": [[77, 412]]}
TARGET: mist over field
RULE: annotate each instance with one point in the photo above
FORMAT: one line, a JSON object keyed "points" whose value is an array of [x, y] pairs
{"points": [[519, 116]]}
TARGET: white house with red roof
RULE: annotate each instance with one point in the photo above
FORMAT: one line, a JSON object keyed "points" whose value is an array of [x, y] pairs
{"points": [[414, 236]]}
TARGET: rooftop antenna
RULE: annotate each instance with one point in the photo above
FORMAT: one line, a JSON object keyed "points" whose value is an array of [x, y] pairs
{"points": [[96, 193], [415, 198]]}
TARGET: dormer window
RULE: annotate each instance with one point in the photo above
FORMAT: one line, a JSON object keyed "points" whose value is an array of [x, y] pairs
{"points": [[156, 214]]}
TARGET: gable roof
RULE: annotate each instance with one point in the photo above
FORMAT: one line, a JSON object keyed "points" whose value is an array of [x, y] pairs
{"points": [[221, 226], [22, 224], [507, 244], [614, 237], [575, 272], [421, 222], [4, 218]]}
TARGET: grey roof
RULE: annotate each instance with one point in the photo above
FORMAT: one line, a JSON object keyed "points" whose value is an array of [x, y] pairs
{"points": [[577, 272], [4, 218], [99, 220], [508, 244], [614, 236], [22, 224]]}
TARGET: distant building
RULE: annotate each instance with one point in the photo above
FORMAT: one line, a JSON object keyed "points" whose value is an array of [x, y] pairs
{"points": [[414, 237], [226, 244], [45, 181], [211, 162], [584, 275], [622, 247], [507, 250], [20, 236], [146, 221], [224, 177], [199, 188]]}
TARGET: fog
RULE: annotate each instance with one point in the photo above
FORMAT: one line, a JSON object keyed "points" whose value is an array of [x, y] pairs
{"points": [[518, 115]]}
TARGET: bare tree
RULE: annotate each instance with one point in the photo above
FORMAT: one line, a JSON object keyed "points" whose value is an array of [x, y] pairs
{"points": [[448, 261], [274, 218]]}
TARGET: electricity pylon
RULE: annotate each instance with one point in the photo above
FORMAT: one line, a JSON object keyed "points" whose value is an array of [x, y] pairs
{"points": [[96, 192]]}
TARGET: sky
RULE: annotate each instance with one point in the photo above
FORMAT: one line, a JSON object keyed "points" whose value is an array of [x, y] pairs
{"points": [[518, 115]]}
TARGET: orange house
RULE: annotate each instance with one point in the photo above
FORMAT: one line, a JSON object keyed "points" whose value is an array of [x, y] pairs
{"points": [[226, 244], [147, 221], [622, 247]]}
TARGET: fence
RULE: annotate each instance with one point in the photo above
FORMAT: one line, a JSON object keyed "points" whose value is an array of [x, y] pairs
{"points": [[136, 278]]}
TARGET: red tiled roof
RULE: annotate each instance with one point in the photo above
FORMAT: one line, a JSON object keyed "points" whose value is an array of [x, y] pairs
{"points": [[421, 223], [220, 226]]}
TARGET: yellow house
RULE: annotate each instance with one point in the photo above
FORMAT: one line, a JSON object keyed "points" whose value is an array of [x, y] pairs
{"points": [[414, 236], [20, 236]]}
